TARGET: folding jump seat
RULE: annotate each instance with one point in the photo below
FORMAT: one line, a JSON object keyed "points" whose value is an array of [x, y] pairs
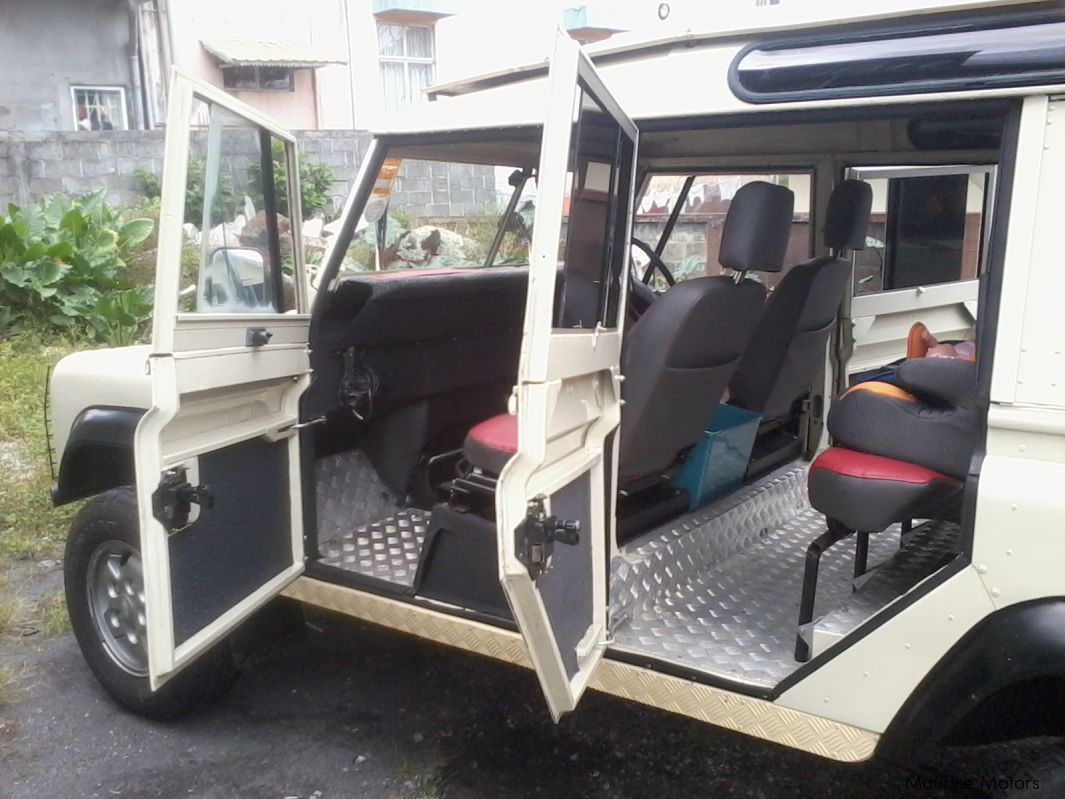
{"points": [[902, 452]]}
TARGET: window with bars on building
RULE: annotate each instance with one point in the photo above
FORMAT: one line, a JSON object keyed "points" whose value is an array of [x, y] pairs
{"points": [[406, 55], [257, 79], [99, 108]]}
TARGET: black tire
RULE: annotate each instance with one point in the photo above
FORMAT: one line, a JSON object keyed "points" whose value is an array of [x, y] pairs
{"points": [[111, 517]]}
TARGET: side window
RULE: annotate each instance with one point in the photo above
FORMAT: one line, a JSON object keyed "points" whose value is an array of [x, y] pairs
{"points": [[593, 247], [693, 241], [238, 256], [928, 226]]}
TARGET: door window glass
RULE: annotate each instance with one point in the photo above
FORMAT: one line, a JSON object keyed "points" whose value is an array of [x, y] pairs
{"points": [[593, 249], [925, 229], [694, 242], [238, 255]]}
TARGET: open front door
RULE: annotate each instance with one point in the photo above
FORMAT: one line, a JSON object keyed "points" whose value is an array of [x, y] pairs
{"points": [[217, 454], [555, 499]]}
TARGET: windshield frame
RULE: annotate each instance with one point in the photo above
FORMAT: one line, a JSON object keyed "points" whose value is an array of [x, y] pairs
{"points": [[380, 148]]}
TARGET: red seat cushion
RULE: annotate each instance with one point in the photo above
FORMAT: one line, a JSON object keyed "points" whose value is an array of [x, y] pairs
{"points": [[870, 492], [491, 443], [875, 467]]}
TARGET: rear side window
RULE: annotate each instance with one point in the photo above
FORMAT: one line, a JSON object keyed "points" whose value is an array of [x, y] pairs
{"points": [[928, 226], [947, 57], [694, 241]]}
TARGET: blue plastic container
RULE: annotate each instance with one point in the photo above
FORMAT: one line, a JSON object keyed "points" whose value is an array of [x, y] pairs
{"points": [[718, 463]]}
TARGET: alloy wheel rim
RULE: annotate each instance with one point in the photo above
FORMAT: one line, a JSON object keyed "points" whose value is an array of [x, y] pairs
{"points": [[117, 605]]}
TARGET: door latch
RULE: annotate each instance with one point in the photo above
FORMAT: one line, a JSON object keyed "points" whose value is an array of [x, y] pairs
{"points": [[537, 535], [257, 337], [172, 501]]}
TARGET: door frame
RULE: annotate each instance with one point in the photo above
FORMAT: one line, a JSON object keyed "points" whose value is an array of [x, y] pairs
{"points": [[207, 356], [568, 396]]}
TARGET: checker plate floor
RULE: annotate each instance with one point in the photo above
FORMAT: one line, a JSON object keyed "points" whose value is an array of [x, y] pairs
{"points": [[387, 549], [737, 618]]}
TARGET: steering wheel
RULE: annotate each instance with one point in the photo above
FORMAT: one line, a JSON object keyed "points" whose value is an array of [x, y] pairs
{"points": [[656, 262]]}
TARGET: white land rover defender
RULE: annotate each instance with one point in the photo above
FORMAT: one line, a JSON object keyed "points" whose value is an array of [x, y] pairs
{"points": [[622, 373]]}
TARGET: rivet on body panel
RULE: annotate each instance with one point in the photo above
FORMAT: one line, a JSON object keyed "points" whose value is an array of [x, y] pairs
{"points": [[1009, 553], [995, 592]]}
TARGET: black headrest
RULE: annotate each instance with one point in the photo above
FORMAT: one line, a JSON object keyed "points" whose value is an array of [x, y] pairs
{"points": [[847, 219], [757, 228]]}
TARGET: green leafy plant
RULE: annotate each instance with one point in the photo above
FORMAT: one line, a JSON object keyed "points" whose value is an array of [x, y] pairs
{"points": [[227, 201], [149, 183], [62, 268], [316, 179]]}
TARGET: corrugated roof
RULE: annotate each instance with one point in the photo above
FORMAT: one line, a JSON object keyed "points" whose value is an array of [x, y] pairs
{"points": [[256, 53]]}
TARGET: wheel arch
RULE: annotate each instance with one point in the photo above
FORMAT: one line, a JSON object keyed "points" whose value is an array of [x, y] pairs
{"points": [[995, 684], [98, 454]]}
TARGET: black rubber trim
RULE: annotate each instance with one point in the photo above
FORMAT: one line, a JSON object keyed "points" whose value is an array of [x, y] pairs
{"points": [[98, 454], [931, 25], [989, 309], [1018, 643]]}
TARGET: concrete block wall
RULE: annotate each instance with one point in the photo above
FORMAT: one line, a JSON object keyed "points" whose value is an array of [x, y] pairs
{"points": [[34, 164]]}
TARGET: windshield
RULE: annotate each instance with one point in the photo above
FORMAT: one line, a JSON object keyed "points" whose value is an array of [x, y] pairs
{"points": [[462, 207]]}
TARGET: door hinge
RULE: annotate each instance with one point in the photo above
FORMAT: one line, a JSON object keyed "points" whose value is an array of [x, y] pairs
{"points": [[172, 501], [537, 535]]}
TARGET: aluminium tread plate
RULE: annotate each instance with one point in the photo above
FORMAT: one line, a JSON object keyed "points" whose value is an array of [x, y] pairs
{"points": [[387, 549]]}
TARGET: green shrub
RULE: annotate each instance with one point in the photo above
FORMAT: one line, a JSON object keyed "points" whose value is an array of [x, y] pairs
{"points": [[226, 202], [63, 269], [316, 179]]}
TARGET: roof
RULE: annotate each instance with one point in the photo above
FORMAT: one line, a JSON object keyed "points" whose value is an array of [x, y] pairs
{"points": [[257, 53], [753, 24]]}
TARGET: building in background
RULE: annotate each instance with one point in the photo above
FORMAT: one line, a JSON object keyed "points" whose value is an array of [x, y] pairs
{"points": [[317, 64], [77, 64]]}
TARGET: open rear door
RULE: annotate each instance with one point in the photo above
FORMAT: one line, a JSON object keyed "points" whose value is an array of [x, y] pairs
{"points": [[217, 454], [555, 499]]}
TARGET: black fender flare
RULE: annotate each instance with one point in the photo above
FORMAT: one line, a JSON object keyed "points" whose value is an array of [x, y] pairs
{"points": [[1017, 645], [98, 453]]}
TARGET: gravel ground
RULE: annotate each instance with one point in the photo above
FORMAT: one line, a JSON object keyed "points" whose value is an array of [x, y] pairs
{"points": [[356, 711]]}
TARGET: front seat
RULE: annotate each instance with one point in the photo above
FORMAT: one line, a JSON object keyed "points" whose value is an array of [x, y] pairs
{"points": [[679, 356], [787, 347]]}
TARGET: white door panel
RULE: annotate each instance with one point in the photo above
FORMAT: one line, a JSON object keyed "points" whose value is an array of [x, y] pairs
{"points": [[217, 465], [554, 500]]}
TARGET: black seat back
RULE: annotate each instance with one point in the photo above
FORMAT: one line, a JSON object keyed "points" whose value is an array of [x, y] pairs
{"points": [[787, 347], [680, 355]]}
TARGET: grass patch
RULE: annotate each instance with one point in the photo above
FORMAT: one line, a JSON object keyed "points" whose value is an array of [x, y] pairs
{"points": [[52, 615], [8, 682], [11, 608], [30, 528]]}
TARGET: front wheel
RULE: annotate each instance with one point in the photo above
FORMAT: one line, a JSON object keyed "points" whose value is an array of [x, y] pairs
{"points": [[104, 585]]}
